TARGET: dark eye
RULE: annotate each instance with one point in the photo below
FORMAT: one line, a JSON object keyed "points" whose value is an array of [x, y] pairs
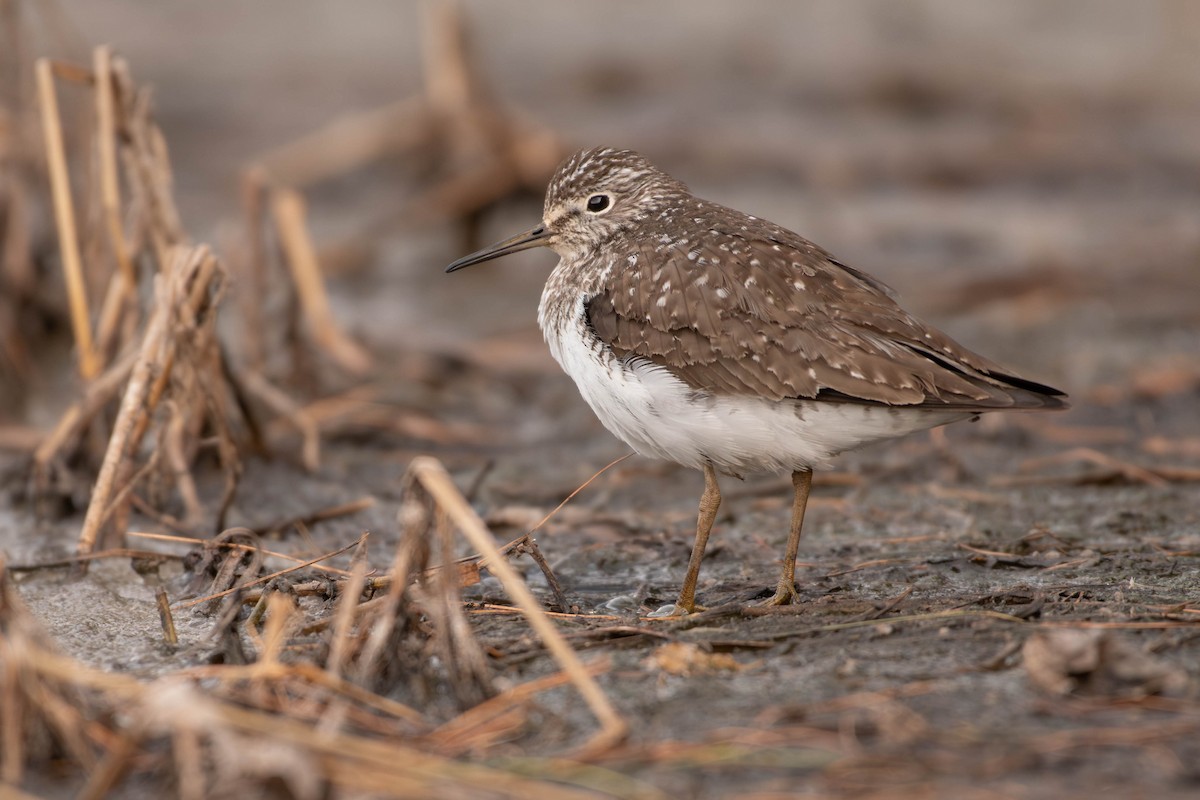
{"points": [[597, 203]]}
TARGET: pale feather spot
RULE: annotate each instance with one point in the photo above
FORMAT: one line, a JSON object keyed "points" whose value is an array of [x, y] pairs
{"points": [[722, 292], [661, 302], [702, 280]]}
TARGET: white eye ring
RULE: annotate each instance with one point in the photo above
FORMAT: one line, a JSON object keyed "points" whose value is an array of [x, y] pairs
{"points": [[599, 203]]}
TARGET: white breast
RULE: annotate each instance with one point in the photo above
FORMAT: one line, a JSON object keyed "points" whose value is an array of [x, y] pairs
{"points": [[660, 416]]}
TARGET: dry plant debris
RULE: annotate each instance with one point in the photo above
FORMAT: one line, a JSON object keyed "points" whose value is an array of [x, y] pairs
{"points": [[155, 347], [153, 358], [328, 657], [1096, 661]]}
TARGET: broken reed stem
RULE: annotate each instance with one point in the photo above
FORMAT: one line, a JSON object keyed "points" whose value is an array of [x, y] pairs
{"points": [[255, 270], [289, 211], [83, 411], [434, 478], [106, 143], [347, 143], [343, 628], [132, 407], [273, 575], [123, 284], [166, 537], [145, 387], [164, 614], [64, 216], [283, 405], [450, 81]]}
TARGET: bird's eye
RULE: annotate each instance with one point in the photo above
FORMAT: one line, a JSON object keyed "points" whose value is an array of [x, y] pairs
{"points": [[597, 203]]}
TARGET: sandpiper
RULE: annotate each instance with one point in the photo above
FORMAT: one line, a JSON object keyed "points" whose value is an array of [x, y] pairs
{"points": [[724, 342]]}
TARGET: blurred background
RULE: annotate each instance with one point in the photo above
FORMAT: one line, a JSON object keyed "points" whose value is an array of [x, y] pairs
{"points": [[1028, 163]]}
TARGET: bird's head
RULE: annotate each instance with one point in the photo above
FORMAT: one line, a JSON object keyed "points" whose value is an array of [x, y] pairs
{"points": [[595, 196]]}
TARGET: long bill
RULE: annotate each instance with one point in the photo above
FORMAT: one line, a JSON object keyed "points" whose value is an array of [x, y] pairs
{"points": [[534, 237]]}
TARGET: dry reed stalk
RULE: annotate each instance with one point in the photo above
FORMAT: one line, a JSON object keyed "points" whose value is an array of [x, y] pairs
{"points": [[320, 515], [130, 148], [490, 154], [383, 628], [253, 269], [193, 275], [433, 477], [164, 612], [110, 188], [287, 408], [471, 678], [451, 81], [165, 537], [64, 215], [344, 614], [128, 722], [264, 578], [347, 143], [288, 209], [358, 408], [71, 425], [119, 303], [148, 166], [465, 732]]}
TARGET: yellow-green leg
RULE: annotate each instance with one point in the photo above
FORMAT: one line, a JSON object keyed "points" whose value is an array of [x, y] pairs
{"points": [[710, 501], [785, 590]]}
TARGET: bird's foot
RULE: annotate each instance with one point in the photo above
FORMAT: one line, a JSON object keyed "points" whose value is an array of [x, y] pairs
{"points": [[785, 595]]}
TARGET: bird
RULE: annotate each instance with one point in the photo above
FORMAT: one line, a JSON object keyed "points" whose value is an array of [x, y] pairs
{"points": [[726, 343]]}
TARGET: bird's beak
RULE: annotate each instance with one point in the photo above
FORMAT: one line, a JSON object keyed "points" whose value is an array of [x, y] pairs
{"points": [[535, 237]]}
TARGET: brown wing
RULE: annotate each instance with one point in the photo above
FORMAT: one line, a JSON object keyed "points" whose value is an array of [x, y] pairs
{"points": [[761, 311]]}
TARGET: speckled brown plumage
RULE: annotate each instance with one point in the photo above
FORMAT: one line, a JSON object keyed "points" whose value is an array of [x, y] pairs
{"points": [[733, 304]]}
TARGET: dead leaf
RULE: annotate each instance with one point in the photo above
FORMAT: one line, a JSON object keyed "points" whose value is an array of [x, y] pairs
{"points": [[1096, 662], [686, 658]]}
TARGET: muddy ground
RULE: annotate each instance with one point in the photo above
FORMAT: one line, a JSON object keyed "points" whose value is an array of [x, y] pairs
{"points": [[1010, 609]]}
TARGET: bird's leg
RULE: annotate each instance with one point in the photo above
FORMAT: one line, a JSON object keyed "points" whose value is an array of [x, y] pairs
{"points": [[710, 501], [785, 590]]}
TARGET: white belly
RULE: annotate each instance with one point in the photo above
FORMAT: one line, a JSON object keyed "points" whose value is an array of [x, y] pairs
{"points": [[660, 416]]}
